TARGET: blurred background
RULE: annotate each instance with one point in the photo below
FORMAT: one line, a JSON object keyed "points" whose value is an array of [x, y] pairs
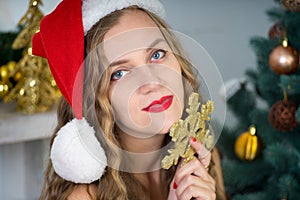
{"points": [[223, 28]]}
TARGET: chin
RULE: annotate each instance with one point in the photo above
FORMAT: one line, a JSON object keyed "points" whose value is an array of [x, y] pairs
{"points": [[168, 124]]}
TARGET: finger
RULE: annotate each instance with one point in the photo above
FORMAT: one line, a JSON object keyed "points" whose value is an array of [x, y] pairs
{"points": [[198, 193], [203, 154], [189, 180], [193, 167], [172, 190], [192, 186]]}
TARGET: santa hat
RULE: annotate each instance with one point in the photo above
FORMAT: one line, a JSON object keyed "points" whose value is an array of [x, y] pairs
{"points": [[76, 154]]}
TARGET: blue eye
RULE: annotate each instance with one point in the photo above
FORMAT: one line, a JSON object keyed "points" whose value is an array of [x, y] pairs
{"points": [[118, 74], [158, 55]]}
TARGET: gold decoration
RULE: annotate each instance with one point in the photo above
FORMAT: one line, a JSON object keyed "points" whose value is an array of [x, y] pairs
{"points": [[3, 89], [5, 75], [34, 89], [248, 145], [195, 125]]}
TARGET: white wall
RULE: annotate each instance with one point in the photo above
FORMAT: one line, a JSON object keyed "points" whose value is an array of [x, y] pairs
{"points": [[21, 169], [222, 27]]}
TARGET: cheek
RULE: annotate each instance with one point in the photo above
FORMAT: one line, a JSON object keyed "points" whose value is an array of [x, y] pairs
{"points": [[127, 110], [138, 117], [117, 102], [174, 64], [110, 95], [111, 90]]}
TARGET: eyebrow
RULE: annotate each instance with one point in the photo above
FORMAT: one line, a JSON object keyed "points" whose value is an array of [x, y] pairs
{"points": [[153, 44], [118, 62]]}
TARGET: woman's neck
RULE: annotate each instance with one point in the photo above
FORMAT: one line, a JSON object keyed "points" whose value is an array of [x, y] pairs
{"points": [[141, 145], [143, 159], [141, 155]]}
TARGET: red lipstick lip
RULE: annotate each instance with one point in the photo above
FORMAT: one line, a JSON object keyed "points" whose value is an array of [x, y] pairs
{"points": [[159, 105]]}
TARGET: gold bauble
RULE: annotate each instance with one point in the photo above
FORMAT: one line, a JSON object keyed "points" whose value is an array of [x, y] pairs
{"points": [[11, 65], [4, 74], [248, 145], [3, 89], [18, 76]]}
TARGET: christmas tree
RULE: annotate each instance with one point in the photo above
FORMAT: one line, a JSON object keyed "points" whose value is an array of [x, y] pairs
{"points": [[29, 81], [261, 152]]}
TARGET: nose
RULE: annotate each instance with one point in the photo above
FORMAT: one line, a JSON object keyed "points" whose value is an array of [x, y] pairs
{"points": [[149, 87], [151, 80]]}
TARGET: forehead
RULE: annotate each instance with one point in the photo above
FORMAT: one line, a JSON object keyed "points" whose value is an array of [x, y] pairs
{"points": [[131, 19], [134, 30]]}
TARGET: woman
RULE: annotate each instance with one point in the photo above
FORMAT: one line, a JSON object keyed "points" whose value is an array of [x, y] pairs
{"points": [[135, 81]]}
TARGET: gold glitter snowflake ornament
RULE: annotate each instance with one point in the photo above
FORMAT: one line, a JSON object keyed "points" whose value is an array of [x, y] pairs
{"points": [[195, 125]]}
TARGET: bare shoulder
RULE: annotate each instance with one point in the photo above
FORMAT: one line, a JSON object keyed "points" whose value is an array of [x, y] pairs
{"points": [[84, 192]]}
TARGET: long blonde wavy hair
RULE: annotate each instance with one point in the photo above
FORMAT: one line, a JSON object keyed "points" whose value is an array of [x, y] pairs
{"points": [[97, 109]]}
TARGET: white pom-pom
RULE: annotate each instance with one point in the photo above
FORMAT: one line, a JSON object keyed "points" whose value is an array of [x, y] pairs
{"points": [[76, 154]]}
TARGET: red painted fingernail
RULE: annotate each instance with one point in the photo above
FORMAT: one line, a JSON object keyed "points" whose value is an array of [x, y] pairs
{"points": [[175, 185], [194, 139]]}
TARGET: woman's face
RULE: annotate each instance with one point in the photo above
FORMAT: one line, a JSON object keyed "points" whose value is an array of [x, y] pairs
{"points": [[146, 88]]}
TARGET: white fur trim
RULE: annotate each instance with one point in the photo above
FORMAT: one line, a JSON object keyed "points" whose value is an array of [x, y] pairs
{"points": [[94, 10], [76, 154]]}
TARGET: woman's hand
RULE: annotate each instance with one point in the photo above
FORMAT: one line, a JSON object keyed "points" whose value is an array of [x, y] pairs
{"points": [[192, 180]]}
